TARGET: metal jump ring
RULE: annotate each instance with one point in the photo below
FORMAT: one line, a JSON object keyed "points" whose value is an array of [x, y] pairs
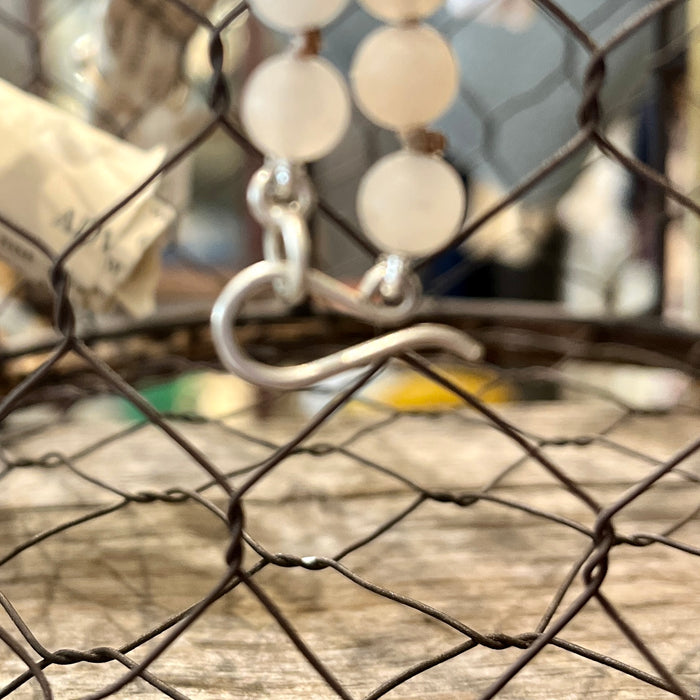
{"points": [[287, 242], [404, 288], [280, 184]]}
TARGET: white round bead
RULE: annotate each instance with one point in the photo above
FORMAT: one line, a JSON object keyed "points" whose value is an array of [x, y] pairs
{"points": [[297, 108], [401, 10], [297, 15], [404, 77], [411, 204]]}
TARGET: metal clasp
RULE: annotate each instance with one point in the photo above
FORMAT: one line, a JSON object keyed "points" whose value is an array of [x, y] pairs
{"points": [[281, 197], [354, 302]]}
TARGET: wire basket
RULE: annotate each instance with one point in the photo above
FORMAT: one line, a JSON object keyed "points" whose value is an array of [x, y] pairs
{"points": [[521, 527]]}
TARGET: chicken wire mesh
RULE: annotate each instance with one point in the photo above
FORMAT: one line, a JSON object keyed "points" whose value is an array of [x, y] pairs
{"points": [[355, 515]]}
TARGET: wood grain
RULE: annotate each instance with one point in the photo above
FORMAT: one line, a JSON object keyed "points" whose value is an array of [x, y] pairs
{"points": [[492, 567]]}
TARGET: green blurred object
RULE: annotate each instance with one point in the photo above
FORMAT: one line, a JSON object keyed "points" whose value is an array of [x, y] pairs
{"points": [[174, 396]]}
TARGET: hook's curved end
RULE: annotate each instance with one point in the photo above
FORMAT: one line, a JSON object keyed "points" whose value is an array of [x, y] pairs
{"points": [[423, 336]]}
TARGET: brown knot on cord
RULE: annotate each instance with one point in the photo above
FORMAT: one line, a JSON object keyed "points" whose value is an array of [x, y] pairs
{"points": [[308, 44], [422, 140]]}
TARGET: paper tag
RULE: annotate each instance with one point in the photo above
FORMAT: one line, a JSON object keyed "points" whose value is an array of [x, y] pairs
{"points": [[57, 175]]}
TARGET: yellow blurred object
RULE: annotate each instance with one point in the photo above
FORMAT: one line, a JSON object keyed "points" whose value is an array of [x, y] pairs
{"points": [[408, 391]]}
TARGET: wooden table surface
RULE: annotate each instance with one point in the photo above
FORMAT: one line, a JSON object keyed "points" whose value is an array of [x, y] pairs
{"points": [[492, 567]]}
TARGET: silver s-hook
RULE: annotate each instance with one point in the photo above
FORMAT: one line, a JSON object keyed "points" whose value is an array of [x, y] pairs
{"points": [[418, 337]]}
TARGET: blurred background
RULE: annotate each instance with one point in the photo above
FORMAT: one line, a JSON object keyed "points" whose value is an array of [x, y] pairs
{"points": [[590, 241]]}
